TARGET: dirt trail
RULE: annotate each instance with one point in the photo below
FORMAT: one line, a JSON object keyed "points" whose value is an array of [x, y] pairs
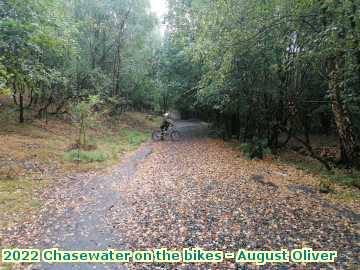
{"points": [[195, 192], [83, 224], [76, 215]]}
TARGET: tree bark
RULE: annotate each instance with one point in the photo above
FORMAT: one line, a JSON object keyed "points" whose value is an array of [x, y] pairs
{"points": [[340, 111]]}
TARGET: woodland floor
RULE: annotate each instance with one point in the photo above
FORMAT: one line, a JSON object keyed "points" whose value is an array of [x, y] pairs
{"points": [[197, 192]]}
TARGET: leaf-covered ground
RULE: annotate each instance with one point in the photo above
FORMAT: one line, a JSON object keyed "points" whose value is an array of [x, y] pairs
{"points": [[202, 193], [194, 193]]}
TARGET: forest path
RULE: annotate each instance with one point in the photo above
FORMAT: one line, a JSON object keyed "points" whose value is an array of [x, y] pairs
{"points": [[201, 192], [197, 192], [78, 214]]}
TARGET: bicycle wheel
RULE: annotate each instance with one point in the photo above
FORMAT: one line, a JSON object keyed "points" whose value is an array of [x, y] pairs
{"points": [[175, 136], [156, 136]]}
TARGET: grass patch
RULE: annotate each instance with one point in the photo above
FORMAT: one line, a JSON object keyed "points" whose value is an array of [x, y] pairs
{"points": [[114, 144], [349, 195], [85, 156], [18, 200], [309, 166], [348, 182], [347, 179], [135, 137], [342, 177]]}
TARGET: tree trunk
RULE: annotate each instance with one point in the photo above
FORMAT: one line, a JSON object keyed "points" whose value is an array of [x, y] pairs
{"points": [[31, 97], [21, 108], [356, 46], [14, 94], [341, 113]]}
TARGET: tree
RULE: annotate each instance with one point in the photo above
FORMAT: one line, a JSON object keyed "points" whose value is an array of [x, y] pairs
{"points": [[84, 114], [56, 52], [269, 68]]}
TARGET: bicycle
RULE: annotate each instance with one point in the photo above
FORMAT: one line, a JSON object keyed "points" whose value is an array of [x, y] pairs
{"points": [[171, 133]]}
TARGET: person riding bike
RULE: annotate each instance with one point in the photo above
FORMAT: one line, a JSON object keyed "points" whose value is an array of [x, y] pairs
{"points": [[166, 123]]}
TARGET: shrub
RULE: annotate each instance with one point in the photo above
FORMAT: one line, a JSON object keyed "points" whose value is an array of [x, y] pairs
{"points": [[84, 114], [257, 149], [326, 186]]}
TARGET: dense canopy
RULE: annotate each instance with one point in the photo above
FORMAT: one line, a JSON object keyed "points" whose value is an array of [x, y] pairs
{"points": [[265, 69]]}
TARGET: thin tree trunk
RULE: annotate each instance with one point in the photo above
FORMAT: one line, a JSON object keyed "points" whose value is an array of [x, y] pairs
{"points": [[31, 99], [14, 94], [21, 108]]}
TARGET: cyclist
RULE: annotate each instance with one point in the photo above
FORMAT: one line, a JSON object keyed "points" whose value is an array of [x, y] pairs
{"points": [[166, 123]]}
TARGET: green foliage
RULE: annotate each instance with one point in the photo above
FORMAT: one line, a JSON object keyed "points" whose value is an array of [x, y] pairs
{"points": [[85, 116], [4, 77], [338, 176], [178, 76], [60, 51], [326, 186], [347, 179], [257, 149], [85, 156], [265, 66], [117, 43], [246, 148]]}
